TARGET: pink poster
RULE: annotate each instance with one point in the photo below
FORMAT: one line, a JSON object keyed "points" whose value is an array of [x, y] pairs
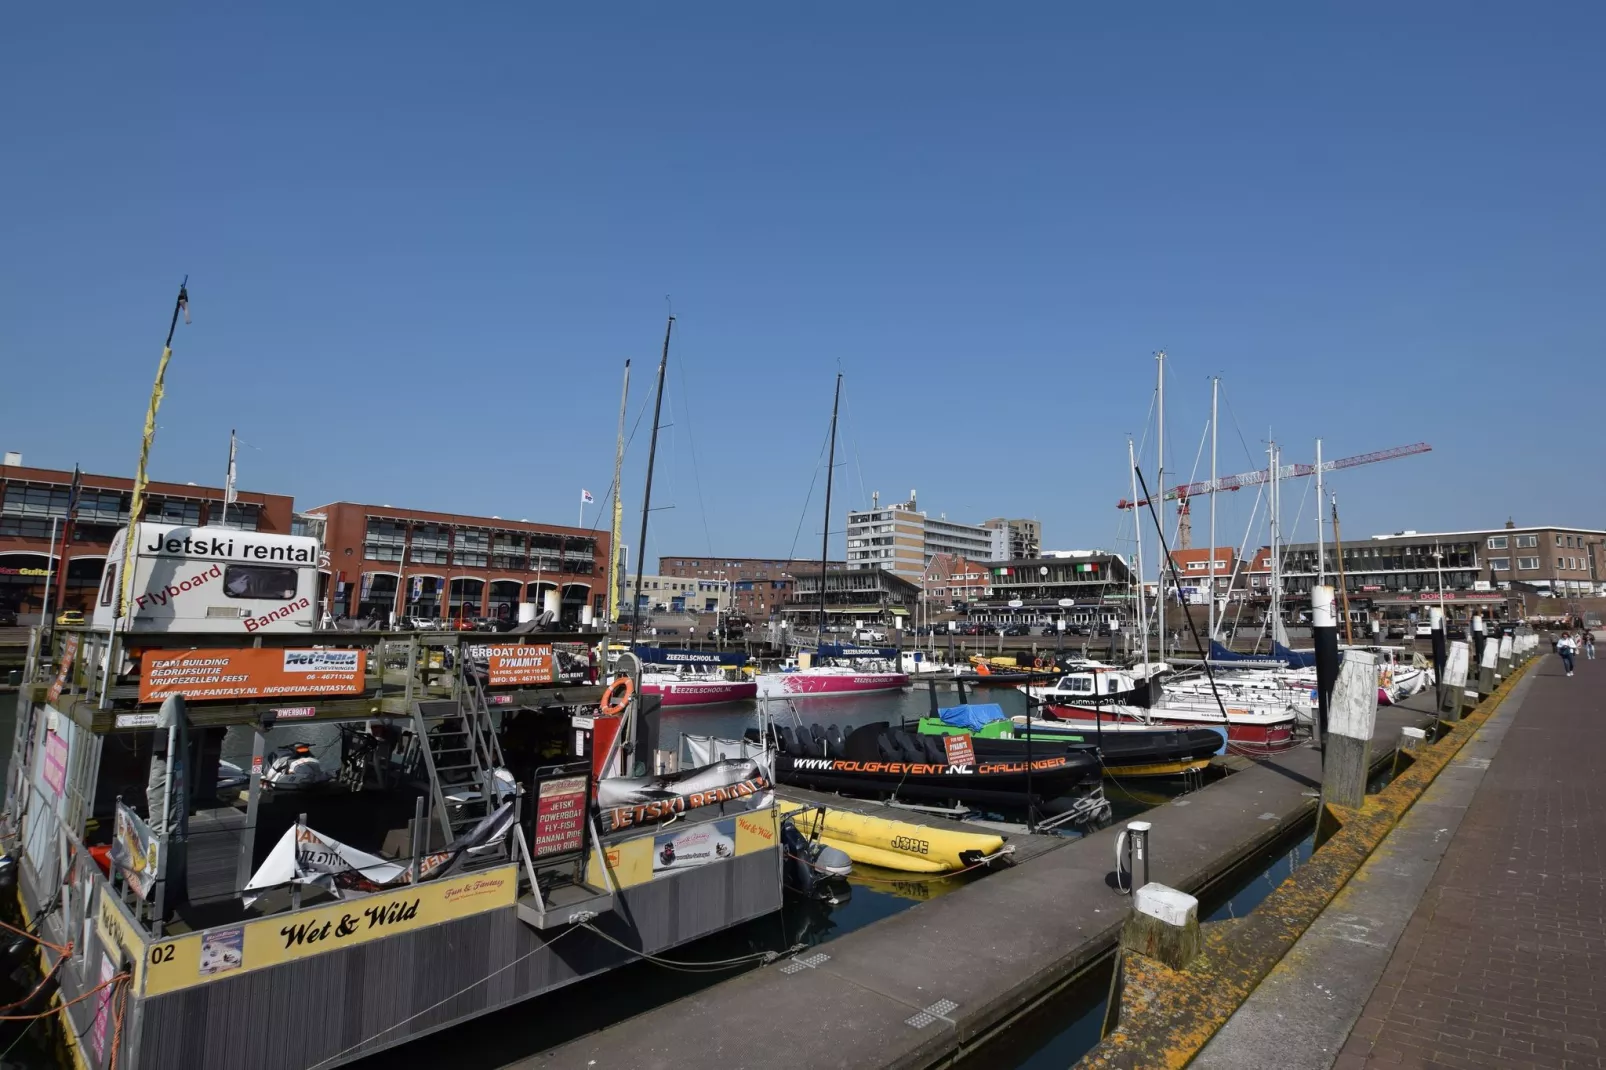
{"points": [[103, 1000], [55, 769]]}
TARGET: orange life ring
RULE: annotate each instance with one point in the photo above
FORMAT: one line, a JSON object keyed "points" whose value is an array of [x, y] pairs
{"points": [[617, 697]]}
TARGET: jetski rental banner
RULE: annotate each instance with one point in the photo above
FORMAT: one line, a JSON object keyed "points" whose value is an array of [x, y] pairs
{"points": [[630, 801]]}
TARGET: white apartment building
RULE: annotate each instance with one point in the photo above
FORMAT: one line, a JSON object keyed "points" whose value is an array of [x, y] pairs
{"points": [[902, 539], [1013, 539]]}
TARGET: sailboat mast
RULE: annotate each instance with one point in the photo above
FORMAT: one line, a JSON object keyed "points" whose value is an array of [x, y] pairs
{"points": [[1137, 533], [616, 558], [825, 537], [1276, 539], [646, 491], [1215, 389], [1159, 482], [1321, 549], [1343, 583]]}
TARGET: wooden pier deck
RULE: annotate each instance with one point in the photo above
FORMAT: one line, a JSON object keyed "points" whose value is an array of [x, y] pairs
{"points": [[910, 990]]}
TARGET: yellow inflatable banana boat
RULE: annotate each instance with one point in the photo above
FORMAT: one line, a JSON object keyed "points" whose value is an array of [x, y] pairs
{"points": [[897, 845]]}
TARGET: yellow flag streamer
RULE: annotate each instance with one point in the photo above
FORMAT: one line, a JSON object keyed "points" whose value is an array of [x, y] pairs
{"points": [[137, 501]]}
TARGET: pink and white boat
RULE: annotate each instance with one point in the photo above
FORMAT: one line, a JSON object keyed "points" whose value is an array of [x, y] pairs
{"points": [[695, 689], [1253, 729], [829, 680]]}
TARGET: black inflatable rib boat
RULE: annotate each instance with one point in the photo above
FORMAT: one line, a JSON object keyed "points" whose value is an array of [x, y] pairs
{"points": [[880, 760]]}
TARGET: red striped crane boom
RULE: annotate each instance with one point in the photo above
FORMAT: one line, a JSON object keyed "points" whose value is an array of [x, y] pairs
{"points": [[1263, 475]]}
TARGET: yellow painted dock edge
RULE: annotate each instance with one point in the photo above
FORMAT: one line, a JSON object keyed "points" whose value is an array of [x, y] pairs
{"points": [[1167, 1016]]}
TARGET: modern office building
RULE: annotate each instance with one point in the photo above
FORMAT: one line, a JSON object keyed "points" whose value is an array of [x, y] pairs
{"points": [[1477, 571], [902, 539], [1013, 539], [760, 586], [891, 538], [414, 562], [32, 498]]}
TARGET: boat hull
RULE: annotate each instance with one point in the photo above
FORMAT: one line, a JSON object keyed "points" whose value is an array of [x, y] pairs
{"points": [[804, 684], [1263, 733], [993, 783], [680, 693], [897, 845]]}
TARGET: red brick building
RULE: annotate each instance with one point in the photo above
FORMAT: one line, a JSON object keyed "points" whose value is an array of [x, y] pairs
{"points": [[445, 565], [31, 498], [952, 578], [760, 586]]}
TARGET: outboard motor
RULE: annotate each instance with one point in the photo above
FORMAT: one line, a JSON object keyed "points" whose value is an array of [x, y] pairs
{"points": [[812, 869]]}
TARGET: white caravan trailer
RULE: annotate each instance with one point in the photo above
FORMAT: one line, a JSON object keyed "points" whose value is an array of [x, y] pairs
{"points": [[216, 580]]}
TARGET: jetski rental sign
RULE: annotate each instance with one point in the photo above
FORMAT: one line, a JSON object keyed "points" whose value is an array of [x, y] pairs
{"points": [[631, 801]]}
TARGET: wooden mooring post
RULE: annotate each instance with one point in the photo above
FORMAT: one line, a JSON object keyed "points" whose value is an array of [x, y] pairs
{"points": [[1164, 925], [1346, 755], [1502, 665]]}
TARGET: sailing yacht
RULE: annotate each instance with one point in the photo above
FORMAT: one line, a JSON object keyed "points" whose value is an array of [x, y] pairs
{"points": [[834, 669]]}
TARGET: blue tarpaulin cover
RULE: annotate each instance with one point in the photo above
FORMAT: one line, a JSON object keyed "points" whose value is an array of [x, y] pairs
{"points": [[973, 716]]}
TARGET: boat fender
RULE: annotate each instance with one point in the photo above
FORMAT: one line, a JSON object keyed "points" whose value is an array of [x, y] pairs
{"points": [[617, 697]]}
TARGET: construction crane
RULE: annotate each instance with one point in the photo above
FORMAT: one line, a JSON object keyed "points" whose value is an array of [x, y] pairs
{"points": [[1253, 479]]}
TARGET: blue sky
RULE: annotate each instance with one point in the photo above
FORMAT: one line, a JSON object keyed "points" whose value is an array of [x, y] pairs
{"points": [[422, 241]]}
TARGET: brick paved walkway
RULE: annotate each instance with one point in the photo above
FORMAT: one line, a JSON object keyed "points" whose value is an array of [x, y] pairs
{"points": [[1504, 962]]}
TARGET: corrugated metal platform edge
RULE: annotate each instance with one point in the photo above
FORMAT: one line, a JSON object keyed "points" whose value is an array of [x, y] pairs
{"points": [[336, 1007]]}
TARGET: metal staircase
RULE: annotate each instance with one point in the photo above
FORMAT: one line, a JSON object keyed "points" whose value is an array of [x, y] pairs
{"points": [[461, 753]]}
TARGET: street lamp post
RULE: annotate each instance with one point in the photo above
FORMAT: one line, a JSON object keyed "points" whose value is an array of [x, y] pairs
{"points": [[1438, 566]]}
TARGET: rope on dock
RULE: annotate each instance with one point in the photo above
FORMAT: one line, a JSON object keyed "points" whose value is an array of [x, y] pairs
{"points": [[58, 1008], [714, 966], [57, 948]]}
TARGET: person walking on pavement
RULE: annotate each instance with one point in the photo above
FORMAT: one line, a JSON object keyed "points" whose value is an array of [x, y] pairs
{"points": [[1589, 646], [1564, 647]]}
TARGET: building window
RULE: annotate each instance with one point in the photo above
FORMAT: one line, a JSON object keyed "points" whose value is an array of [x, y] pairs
{"points": [[103, 506], [25, 527], [1500, 564], [1558, 540], [1560, 560], [25, 500], [1527, 541], [1527, 563], [1497, 542], [174, 511], [384, 539], [239, 516]]}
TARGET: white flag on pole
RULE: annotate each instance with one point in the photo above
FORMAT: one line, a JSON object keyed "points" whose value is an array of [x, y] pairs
{"points": [[585, 497]]}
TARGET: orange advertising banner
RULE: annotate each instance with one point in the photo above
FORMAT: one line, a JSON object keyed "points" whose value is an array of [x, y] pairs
{"points": [[253, 673], [69, 651], [511, 666]]}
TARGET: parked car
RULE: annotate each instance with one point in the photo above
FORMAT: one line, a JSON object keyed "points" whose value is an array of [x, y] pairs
{"points": [[72, 618], [1017, 629]]}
